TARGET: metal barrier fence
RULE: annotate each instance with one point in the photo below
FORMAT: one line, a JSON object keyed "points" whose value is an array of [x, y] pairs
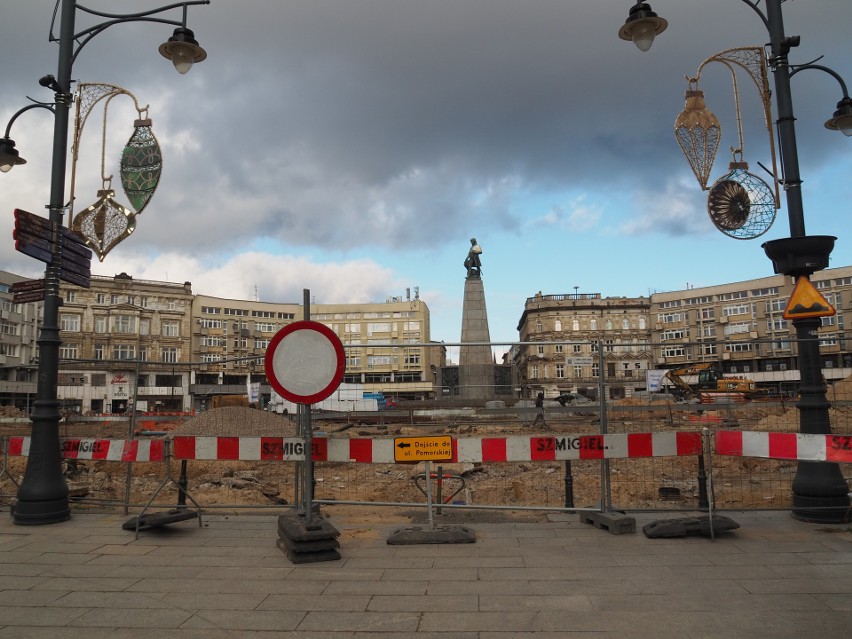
{"points": [[581, 401]]}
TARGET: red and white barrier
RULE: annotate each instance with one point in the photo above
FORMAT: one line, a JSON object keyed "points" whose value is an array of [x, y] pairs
{"points": [[135, 450], [793, 446]]}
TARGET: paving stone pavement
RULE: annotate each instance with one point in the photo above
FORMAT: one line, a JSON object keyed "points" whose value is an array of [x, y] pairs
{"points": [[87, 577]]}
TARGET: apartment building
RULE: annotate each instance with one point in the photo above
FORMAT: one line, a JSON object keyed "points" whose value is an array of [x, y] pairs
{"points": [[385, 344], [19, 326], [742, 326], [567, 339]]}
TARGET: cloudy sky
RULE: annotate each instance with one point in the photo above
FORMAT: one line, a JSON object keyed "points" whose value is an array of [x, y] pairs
{"points": [[353, 147]]}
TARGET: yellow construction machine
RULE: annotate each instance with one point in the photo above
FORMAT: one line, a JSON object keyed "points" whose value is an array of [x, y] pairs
{"points": [[707, 379]]}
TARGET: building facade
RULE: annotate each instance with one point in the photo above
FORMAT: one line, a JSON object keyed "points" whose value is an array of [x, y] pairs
{"points": [[567, 339], [19, 326], [741, 325]]}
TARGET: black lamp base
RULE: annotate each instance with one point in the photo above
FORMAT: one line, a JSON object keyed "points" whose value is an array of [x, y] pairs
{"points": [[36, 513]]}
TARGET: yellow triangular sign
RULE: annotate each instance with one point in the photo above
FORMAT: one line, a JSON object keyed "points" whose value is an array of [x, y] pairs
{"points": [[806, 301]]}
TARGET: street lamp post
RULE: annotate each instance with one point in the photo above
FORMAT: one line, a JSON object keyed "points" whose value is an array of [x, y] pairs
{"points": [[820, 493], [42, 497]]}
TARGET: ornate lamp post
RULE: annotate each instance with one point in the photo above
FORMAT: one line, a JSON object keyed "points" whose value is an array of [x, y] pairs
{"points": [[820, 493], [43, 493]]}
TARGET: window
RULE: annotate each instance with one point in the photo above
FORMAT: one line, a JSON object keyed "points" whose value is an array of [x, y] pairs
{"points": [[143, 301], [593, 324], [353, 361], [269, 314], [776, 324], [738, 295], [410, 326], [100, 324], [100, 298], [378, 327], [211, 323], [738, 347], [209, 357], [100, 351], [210, 310], [560, 371], [113, 299], [131, 299], [378, 360], [169, 354], [670, 304], [539, 327], [124, 351], [143, 353], [241, 342], [261, 343], [411, 358], [264, 327], [239, 312], [12, 350], [578, 371], [708, 331], [540, 350], [559, 348], [124, 324], [708, 313], [625, 324], [736, 309], [577, 348], [70, 296], [9, 329], [674, 351], [206, 340], [171, 328], [708, 348], [676, 333], [670, 318], [738, 328], [144, 326], [171, 304], [534, 372], [575, 325], [68, 351], [557, 325], [69, 323]]}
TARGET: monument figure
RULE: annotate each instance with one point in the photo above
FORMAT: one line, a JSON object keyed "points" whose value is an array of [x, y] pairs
{"points": [[472, 262], [476, 361]]}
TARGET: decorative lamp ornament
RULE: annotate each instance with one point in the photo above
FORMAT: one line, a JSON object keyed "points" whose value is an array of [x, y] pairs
{"points": [[104, 224], [141, 165], [740, 204], [698, 133]]}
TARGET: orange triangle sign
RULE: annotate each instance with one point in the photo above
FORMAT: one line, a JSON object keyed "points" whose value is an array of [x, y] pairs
{"points": [[806, 301]]}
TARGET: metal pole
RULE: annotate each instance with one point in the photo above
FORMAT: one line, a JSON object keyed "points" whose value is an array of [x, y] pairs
{"points": [[43, 494], [308, 432], [820, 493]]}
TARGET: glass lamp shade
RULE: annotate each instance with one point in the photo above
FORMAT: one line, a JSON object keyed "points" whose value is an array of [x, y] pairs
{"points": [[642, 25], [183, 50], [698, 134], [9, 157], [842, 119]]}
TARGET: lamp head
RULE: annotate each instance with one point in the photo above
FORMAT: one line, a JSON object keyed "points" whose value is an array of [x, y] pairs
{"points": [[9, 156], [183, 50], [842, 119], [642, 25]]}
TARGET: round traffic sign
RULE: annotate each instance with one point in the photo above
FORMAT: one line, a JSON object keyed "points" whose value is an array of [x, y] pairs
{"points": [[305, 362]]}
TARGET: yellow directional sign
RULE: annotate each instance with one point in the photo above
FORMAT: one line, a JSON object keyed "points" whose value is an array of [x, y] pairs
{"points": [[414, 449], [806, 301]]}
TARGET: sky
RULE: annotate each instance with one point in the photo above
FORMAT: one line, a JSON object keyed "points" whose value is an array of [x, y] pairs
{"points": [[353, 147]]}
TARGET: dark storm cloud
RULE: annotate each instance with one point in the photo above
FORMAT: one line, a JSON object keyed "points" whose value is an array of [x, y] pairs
{"points": [[352, 122]]}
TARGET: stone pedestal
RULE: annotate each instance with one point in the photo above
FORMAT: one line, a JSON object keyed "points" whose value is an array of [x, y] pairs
{"points": [[476, 362]]}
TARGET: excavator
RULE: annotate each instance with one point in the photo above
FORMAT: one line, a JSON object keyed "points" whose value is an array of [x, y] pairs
{"points": [[711, 382]]}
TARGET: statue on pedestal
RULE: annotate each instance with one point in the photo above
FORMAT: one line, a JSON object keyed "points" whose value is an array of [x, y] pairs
{"points": [[472, 262]]}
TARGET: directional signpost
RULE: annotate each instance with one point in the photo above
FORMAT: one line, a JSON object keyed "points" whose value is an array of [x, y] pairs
{"points": [[27, 291], [34, 236], [415, 449]]}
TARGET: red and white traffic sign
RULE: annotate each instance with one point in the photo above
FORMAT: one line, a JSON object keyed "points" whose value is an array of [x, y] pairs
{"points": [[305, 362]]}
